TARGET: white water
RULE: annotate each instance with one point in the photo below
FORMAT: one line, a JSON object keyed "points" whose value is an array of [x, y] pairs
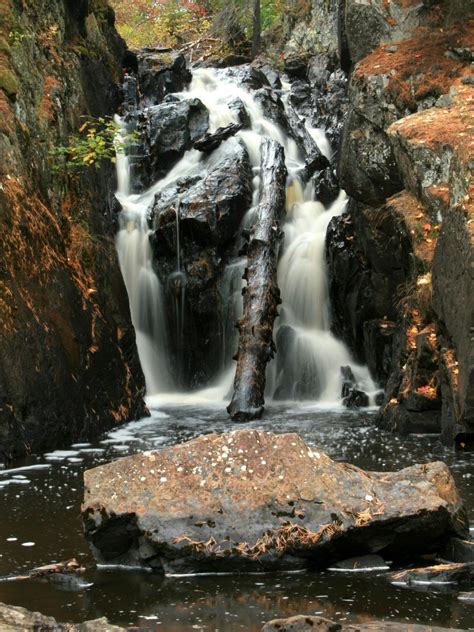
{"points": [[310, 366]]}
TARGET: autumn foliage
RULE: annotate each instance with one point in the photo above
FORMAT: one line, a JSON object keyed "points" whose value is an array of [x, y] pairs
{"points": [[175, 23]]}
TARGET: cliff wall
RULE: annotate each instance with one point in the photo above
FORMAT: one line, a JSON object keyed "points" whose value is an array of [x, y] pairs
{"points": [[68, 361]]}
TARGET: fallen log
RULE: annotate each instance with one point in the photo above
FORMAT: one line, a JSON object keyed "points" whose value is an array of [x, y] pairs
{"points": [[315, 160], [261, 296], [211, 141]]}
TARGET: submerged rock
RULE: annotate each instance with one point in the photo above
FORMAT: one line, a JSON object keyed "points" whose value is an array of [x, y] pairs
{"points": [[305, 623], [454, 573], [458, 551], [252, 500]]}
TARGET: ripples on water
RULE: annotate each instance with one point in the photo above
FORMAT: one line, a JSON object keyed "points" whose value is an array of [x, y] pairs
{"points": [[40, 507]]}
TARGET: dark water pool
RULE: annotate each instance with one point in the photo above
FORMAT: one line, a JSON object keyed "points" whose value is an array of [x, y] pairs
{"points": [[40, 509]]}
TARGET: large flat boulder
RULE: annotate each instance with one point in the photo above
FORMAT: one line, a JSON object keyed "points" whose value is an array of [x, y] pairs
{"points": [[251, 500]]}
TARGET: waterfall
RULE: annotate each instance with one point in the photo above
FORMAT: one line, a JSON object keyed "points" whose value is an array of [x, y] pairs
{"points": [[309, 357]]}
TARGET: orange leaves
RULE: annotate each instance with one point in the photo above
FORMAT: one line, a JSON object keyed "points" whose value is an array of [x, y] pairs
{"points": [[428, 391]]}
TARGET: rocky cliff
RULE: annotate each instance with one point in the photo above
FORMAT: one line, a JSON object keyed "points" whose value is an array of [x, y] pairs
{"points": [[401, 260], [68, 361]]}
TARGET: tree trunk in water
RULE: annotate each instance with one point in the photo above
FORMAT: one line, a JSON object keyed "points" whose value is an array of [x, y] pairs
{"points": [[256, 28], [261, 296]]}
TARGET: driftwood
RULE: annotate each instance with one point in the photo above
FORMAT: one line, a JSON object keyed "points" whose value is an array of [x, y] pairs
{"points": [[261, 296], [209, 141], [314, 159]]}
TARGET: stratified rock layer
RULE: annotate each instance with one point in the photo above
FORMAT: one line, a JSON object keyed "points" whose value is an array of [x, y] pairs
{"points": [[255, 500]]}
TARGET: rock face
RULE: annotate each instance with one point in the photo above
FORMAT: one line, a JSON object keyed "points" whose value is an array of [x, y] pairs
{"points": [[256, 500], [400, 261], [68, 361]]}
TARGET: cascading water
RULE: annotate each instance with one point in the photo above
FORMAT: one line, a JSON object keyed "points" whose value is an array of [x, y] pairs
{"points": [[309, 357]]}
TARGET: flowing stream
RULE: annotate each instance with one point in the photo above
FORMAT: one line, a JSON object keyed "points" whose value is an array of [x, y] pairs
{"points": [[309, 357]]}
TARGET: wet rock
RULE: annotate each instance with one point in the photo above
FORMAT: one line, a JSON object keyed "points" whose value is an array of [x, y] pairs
{"points": [[378, 345], [296, 67], [439, 574], [250, 77], [210, 207], [314, 158], [237, 501], [356, 399], [365, 563], [458, 551], [365, 275], [161, 72], [16, 619], [130, 93], [367, 165], [238, 107], [272, 106], [209, 142], [300, 94], [272, 75], [167, 131], [326, 186], [352, 396]]}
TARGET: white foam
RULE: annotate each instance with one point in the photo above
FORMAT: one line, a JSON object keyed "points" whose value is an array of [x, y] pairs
{"points": [[61, 454], [27, 468]]}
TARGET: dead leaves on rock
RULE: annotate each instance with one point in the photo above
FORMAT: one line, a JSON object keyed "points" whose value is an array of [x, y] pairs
{"points": [[289, 536]]}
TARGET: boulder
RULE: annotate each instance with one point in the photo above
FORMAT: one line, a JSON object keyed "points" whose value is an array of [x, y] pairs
{"points": [[16, 619], [237, 106], [367, 166], [306, 623], [161, 72], [211, 206], [251, 500], [167, 131], [250, 77]]}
